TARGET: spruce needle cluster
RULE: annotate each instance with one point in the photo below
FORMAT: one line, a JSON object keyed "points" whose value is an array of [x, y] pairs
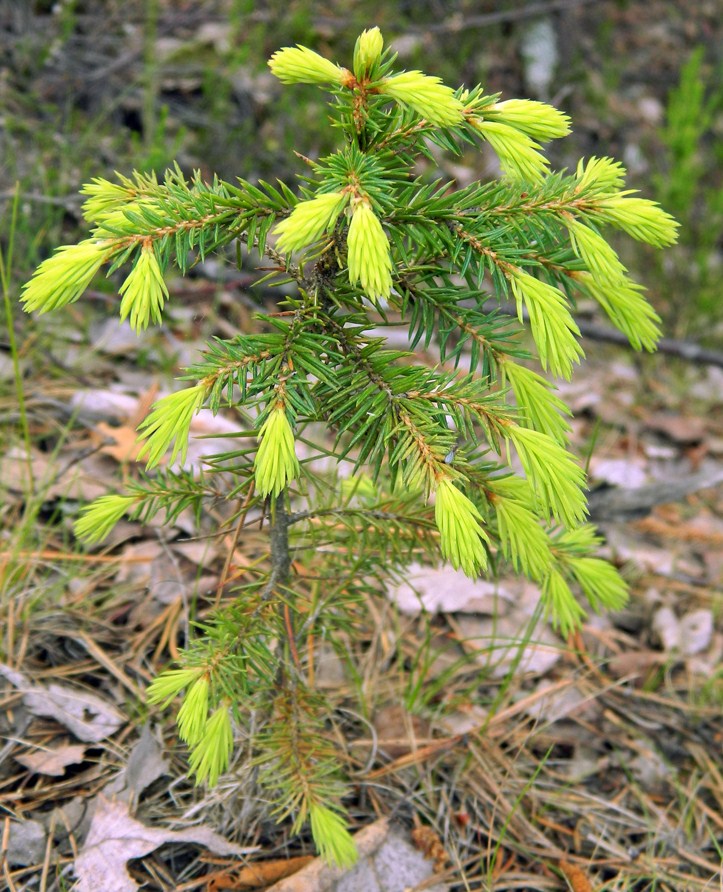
{"points": [[424, 458]]}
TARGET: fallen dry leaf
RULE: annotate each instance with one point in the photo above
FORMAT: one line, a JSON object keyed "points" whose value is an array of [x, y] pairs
{"points": [[26, 843], [696, 631], [398, 730], [444, 590], [387, 863], [150, 564], [678, 428], [120, 443], [56, 476], [634, 664], [319, 876], [115, 838], [689, 635], [468, 717], [20, 471], [87, 716], [651, 771], [496, 641], [560, 703], [144, 766], [53, 761], [628, 473], [666, 626], [116, 338], [427, 840], [99, 404]]}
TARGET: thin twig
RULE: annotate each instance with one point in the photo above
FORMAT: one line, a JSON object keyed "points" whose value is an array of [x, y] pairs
{"points": [[687, 350], [456, 24], [531, 10], [68, 203], [618, 504]]}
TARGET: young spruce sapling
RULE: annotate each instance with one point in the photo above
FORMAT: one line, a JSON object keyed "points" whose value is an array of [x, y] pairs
{"points": [[369, 241]]}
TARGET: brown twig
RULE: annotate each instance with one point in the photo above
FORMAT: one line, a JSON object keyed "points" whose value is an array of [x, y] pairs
{"points": [[594, 331], [687, 350]]}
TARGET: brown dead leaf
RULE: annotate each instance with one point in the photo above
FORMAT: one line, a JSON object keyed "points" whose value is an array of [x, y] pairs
{"points": [[26, 843], [681, 429], [634, 664], [55, 476], [86, 715], [150, 564], [667, 628], [387, 860], [496, 640], [468, 717], [144, 766], [398, 731], [116, 338], [120, 443], [51, 761], [319, 876], [661, 561], [702, 530], [20, 472], [97, 404], [559, 703], [206, 437], [628, 473], [689, 635], [115, 838], [444, 590]]}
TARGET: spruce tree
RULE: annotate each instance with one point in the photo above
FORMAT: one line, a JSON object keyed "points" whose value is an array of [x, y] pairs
{"points": [[428, 453]]}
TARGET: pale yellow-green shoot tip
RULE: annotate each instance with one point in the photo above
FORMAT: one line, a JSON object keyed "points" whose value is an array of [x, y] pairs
{"points": [[309, 220], [169, 684], [211, 754], [103, 197], [520, 156], [170, 423], [62, 278], [427, 95], [193, 714], [369, 261], [537, 119], [300, 65], [99, 518], [331, 836], [144, 292], [276, 462], [367, 51], [462, 538]]}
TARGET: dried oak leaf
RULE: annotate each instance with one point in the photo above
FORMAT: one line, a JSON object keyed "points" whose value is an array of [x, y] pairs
{"points": [[115, 838], [87, 716], [53, 762]]}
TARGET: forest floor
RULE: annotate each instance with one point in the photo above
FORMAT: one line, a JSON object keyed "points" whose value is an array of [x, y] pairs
{"points": [[509, 758]]}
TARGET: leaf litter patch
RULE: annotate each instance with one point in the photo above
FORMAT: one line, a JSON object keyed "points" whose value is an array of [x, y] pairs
{"points": [[598, 732]]}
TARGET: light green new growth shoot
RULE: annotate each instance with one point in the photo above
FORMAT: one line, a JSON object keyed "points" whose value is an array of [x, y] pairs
{"points": [[369, 240]]}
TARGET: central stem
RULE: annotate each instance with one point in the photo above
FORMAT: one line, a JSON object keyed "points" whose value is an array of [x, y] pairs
{"points": [[279, 577], [280, 557]]}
